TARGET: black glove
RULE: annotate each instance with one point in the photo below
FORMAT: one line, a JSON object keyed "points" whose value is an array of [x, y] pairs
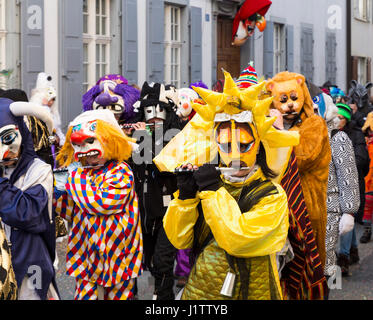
{"points": [[187, 185], [208, 178]]}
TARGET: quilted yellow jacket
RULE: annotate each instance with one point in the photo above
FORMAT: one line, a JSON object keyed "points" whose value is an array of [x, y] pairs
{"points": [[253, 237]]}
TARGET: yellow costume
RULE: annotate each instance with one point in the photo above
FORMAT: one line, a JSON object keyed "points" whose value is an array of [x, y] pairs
{"points": [[239, 227]]}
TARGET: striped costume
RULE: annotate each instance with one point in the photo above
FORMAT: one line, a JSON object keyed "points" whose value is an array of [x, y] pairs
{"points": [[303, 277], [105, 243]]}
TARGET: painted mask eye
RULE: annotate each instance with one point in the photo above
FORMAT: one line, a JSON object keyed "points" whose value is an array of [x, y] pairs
{"points": [[316, 100], [77, 128], [9, 138], [93, 127]]}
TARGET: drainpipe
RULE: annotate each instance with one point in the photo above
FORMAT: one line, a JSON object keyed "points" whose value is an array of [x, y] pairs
{"points": [[348, 42]]}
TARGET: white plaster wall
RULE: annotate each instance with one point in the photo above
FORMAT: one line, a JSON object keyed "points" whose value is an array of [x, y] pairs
{"points": [[361, 38], [315, 12]]}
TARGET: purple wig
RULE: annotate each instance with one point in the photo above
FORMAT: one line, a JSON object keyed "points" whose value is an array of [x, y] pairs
{"points": [[129, 94], [198, 84]]}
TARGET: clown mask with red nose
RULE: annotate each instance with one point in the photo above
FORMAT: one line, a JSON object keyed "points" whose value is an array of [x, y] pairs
{"points": [[88, 149]]}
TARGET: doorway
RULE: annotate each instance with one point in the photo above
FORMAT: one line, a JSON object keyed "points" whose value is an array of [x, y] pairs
{"points": [[228, 57]]}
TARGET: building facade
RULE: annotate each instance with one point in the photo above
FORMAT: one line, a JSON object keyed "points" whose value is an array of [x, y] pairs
{"points": [[361, 47], [169, 41], [307, 37]]}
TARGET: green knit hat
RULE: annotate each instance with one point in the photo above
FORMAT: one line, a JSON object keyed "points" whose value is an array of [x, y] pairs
{"points": [[344, 110]]}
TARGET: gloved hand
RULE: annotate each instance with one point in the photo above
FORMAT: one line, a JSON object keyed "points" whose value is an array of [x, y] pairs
{"points": [[207, 178], [61, 179], [186, 183], [346, 224]]}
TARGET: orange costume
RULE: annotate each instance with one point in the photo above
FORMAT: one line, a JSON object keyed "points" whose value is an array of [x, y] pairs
{"points": [[293, 100]]}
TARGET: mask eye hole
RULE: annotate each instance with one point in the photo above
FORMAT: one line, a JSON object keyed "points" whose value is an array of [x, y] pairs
{"points": [[90, 140], [293, 97], [284, 99], [245, 147], [225, 147]]}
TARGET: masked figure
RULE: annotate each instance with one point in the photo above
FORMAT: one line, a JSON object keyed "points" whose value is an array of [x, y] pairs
{"points": [[98, 198], [8, 283], [26, 187], [250, 14], [112, 92], [156, 111], [313, 154], [184, 107], [235, 220], [359, 95]]}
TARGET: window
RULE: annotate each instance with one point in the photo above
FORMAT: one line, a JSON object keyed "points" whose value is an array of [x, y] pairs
{"points": [[173, 45], [362, 70], [362, 9], [279, 46], [96, 40]]}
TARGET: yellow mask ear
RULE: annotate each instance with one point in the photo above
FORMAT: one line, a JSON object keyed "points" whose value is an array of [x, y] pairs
{"points": [[270, 85]]}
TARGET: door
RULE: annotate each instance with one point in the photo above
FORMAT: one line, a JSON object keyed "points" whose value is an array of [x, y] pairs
{"points": [[228, 57]]}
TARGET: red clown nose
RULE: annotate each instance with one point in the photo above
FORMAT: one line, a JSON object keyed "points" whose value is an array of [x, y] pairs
{"points": [[79, 137]]}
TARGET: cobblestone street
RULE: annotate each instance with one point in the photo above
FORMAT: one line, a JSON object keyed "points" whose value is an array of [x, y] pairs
{"points": [[358, 286]]}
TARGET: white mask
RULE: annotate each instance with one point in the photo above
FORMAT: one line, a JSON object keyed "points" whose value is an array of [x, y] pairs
{"points": [[85, 142], [184, 107], [10, 141]]}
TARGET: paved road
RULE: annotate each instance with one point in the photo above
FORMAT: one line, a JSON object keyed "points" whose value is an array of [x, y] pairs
{"points": [[358, 286]]}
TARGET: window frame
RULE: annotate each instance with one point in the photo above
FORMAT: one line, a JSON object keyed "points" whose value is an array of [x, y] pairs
{"points": [[172, 45], [362, 74], [366, 15], [91, 39], [279, 47]]}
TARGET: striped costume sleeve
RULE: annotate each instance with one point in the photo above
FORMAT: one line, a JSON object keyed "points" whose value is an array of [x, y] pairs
{"points": [[102, 194], [63, 205]]}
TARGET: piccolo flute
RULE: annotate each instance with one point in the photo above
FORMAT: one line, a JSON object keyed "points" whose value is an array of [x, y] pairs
{"points": [[221, 169], [60, 170], [8, 160], [130, 125]]}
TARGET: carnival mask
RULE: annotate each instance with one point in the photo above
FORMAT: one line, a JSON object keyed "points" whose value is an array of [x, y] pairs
{"points": [[246, 28], [288, 96], [155, 111], [238, 143], [319, 104], [85, 142], [107, 99], [169, 95], [186, 96], [11, 141]]}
